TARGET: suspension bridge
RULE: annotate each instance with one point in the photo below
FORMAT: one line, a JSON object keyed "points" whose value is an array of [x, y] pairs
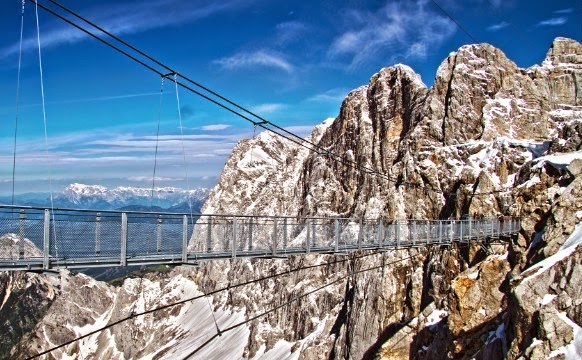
{"points": [[44, 239], [37, 239]]}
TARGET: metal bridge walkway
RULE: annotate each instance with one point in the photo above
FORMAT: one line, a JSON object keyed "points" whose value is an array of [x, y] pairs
{"points": [[41, 239]]}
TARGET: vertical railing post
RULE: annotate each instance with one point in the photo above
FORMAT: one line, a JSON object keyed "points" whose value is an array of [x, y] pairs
{"points": [[234, 235], [275, 235], [250, 233], [159, 234], [440, 231], [185, 239], [336, 235], [381, 233], [308, 240], [314, 232], [451, 230], [431, 232], [123, 255], [492, 227], [22, 235], [98, 234], [414, 232], [46, 239], [397, 233], [360, 233], [285, 234], [461, 222], [470, 229], [209, 235]]}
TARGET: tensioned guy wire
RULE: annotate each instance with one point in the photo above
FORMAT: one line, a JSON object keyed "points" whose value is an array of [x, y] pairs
{"points": [[455, 21], [228, 288], [17, 101], [157, 141], [49, 166], [258, 121]]}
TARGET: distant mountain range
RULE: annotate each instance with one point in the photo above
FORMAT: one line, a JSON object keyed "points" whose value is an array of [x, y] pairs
{"points": [[81, 196]]}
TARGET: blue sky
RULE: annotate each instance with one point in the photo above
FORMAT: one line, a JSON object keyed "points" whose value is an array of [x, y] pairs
{"points": [[291, 62]]}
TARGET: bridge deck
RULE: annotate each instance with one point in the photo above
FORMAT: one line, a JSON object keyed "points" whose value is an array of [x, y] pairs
{"points": [[42, 239]]}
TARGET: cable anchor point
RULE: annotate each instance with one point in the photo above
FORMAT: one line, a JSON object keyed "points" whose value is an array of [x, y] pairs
{"points": [[170, 75]]}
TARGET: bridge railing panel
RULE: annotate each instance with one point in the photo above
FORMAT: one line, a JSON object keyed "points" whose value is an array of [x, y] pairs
{"points": [[107, 237], [75, 237], [79, 235], [21, 234], [350, 233], [370, 232], [71, 238], [149, 235], [390, 234], [324, 234]]}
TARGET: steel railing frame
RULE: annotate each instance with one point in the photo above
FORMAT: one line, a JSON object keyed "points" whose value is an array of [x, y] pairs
{"points": [[121, 238]]}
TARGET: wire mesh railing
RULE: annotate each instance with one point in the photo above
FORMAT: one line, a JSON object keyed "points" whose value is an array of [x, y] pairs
{"points": [[37, 238]]}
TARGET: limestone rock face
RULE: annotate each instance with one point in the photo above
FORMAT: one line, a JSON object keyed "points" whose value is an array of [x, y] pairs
{"points": [[11, 247], [486, 139], [475, 297], [545, 298], [549, 306], [24, 300]]}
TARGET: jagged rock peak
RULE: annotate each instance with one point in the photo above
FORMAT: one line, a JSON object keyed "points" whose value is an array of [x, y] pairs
{"points": [[399, 71], [564, 51]]}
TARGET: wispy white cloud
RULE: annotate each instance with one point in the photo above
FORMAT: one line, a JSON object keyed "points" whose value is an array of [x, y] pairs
{"points": [[301, 130], [127, 18], [498, 26], [404, 28], [268, 108], [332, 95], [214, 127], [260, 58], [290, 31], [149, 178], [120, 154], [557, 21], [564, 11]]}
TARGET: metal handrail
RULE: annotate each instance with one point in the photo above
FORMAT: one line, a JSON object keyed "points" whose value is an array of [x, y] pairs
{"points": [[31, 237]]}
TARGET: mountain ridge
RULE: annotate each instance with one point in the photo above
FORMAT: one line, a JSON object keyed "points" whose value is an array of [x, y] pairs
{"points": [[99, 197]]}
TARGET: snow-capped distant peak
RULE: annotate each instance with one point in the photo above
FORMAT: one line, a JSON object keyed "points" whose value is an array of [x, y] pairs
{"points": [[91, 195]]}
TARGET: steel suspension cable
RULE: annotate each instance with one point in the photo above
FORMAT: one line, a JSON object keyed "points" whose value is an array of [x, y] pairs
{"points": [[49, 166], [180, 302], [17, 101], [157, 141], [188, 182], [154, 60], [260, 122], [348, 276], [455, 21], [183, 146]]}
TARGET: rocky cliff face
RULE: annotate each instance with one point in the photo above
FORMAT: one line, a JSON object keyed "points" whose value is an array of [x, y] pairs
{"points": [[487, 138]]}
